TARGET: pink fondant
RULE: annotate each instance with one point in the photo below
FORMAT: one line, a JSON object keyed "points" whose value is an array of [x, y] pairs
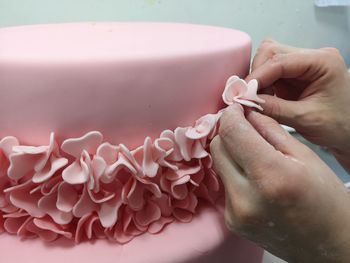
{"points": [[237, 90], [204, 240], [126, 80], [115, 193]]}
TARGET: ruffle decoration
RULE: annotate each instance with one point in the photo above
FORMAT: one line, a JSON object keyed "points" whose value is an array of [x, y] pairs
{"points": [[85, 188]]}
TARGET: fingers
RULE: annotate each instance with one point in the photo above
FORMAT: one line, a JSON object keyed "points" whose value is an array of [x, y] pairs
{"points": [[243, 143], [274, 134], [302, 65], [267, 49], [285, 112], [231, 174]]}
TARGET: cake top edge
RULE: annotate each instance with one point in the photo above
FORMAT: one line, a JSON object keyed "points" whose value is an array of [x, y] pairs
{"points": [[115, 39]]}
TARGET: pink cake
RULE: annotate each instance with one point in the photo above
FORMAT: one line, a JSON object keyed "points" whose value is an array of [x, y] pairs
{"points": [[104, 142]]}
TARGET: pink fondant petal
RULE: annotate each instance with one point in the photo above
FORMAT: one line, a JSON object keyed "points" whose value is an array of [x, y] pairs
{"points": [[85, 205], [150, 167], [23, 232], [235, 87], [112, 170], [48, 204], [47, 236], [158, 225], [164, 147], [67, 197], [79, 171], [134, 197], [101, 197], [88, 142], [184, 170], [198, 151], [248, 103], [184, 143], [21, 198], [2, 220], [47, 224], [120, 236], [197, 178], [12, 224], [164, 204], [150, 213], [212, 181], [92, 225], [108, 212], [108, 152], [41, 163], [252, 92], [150, 186], [175, 154], [98, 166], [21, 164], [179, 189], [52, 168], [80, 228], [7, 144], [128, 155], [189, 203], [183, 216], [165, 184], [33, 150], [202, 128], [50, 185]]}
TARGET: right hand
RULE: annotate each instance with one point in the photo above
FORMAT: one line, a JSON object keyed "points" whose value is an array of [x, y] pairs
{"points": [[312, 93]]}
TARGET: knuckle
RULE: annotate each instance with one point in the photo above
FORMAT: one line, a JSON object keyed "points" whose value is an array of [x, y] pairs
{"points": [[274, 109], [267, 42], [277, 58], [240, 215], [284, 189], [261, 167], [333, 58], [245, 215], [268, 45]]}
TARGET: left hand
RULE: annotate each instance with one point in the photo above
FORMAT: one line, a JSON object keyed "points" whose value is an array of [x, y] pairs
{"points": [[279, 194]]}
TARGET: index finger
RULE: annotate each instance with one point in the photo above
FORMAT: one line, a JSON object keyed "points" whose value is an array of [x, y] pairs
{"points": [[302, 65], [244, 144], [267, 49]]}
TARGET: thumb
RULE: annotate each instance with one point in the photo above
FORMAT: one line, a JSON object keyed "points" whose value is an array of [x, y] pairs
{"points": [[284, 111]]}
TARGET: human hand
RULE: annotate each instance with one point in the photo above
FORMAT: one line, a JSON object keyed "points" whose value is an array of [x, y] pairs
{"points": [[312, 89], [279, 194]]}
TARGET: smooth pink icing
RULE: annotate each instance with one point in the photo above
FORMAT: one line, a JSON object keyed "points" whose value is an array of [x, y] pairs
{"points": [[78, 80], [126, 80], [204, 240]]}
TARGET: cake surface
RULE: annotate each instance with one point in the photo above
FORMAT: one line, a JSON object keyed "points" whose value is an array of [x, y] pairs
{"points": [[126, 80], [133, 89]]}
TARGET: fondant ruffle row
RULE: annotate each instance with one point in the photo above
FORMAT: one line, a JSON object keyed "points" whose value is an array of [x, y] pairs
{"points": [[85, 188]]}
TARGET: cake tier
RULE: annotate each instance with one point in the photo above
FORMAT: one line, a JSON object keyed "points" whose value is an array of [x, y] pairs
{"points": [[126, 80], [204, 240]]}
